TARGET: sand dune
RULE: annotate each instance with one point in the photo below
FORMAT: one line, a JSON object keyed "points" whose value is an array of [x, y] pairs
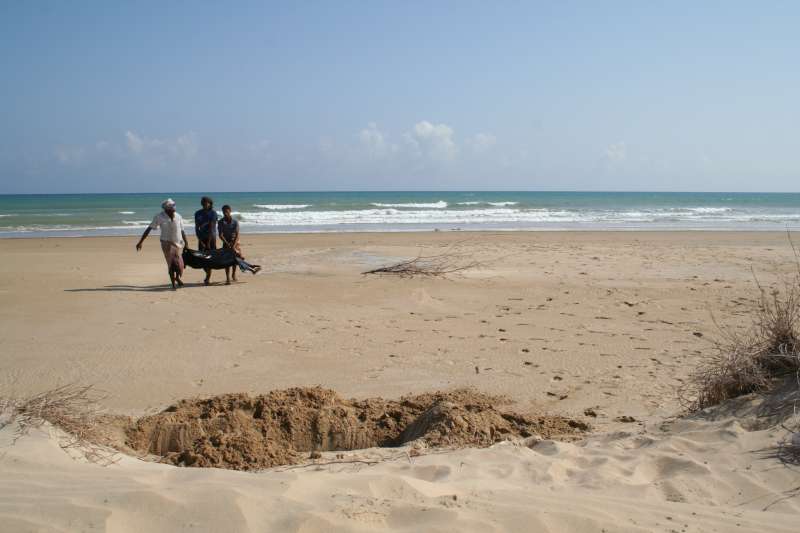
{"points": [[694, 476]]}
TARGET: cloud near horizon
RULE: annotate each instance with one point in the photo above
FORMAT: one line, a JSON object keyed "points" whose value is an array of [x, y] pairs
{"points": [[423, 154], [426, 143]]}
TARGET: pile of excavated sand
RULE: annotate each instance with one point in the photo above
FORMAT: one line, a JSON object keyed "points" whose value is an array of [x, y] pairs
{"points": [[242, 432]]}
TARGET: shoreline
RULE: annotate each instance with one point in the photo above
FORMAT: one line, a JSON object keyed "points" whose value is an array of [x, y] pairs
{"points": [[471, 232]]}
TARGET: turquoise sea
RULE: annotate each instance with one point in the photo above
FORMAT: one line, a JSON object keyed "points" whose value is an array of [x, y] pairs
{"points": [[125, 214]]}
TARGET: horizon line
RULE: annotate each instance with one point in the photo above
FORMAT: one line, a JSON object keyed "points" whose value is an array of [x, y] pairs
{"points": [[328, 191]]}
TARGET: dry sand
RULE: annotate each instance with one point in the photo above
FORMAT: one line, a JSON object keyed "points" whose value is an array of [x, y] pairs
{"points": [[602, 327]]}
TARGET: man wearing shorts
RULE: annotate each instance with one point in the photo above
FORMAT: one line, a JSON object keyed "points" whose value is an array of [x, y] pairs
{"points": [[173, 239]]}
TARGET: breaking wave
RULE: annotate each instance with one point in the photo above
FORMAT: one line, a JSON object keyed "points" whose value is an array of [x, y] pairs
{"points": [[435, 205], [279, 207]]}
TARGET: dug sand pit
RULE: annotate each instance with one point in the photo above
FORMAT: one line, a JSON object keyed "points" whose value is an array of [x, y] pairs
{"points": [[242, 432]]}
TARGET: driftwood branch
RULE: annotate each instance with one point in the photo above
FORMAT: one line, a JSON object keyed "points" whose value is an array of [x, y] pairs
{"points": [[439, 265]]}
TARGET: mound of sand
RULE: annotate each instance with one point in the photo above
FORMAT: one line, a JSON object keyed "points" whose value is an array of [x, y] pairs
{"points": [[241, 432]]}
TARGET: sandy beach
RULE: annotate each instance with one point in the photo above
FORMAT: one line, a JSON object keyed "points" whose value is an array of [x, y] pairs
{"points": [[603, 327]]}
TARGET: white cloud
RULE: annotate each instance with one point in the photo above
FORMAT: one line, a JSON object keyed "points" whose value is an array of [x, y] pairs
{"points": [[69, 155], [482, 142], [432, 140], [160, 151], [617, 152], [135, 151], [374, 141], [134, 142]]}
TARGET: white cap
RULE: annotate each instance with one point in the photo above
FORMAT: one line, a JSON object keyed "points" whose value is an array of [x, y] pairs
{"points": [[169, 202]]}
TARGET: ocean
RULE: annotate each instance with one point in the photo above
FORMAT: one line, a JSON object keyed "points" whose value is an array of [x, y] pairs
{"points": [[267, 212]]}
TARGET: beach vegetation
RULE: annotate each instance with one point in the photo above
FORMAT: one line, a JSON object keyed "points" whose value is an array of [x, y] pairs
{"points": [[759, 359], [73, 410]]}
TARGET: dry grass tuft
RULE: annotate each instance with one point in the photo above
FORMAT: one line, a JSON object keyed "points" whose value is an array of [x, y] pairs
{"points": [[750, 362], [74, 409]]}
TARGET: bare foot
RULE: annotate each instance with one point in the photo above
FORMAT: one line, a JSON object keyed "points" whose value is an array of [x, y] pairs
{"points": [[256, 268], [227, 282]]}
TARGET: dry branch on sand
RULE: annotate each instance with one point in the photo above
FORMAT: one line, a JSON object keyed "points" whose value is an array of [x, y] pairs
{"points": [[74, 409], [438, 265]]}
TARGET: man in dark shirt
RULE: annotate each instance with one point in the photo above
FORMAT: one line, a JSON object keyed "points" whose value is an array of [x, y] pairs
{"points": [[205, 228], [228, 229]]}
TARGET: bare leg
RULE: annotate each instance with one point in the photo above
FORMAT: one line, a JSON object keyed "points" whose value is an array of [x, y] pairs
{"points": [[228, 275], [172, 277], [208, 276], [177, 268]]}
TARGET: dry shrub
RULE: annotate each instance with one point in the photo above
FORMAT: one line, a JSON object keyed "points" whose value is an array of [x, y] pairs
{"points": [[750, 362], [430, 266], [450, 261], [74, 409], [788, 450]]}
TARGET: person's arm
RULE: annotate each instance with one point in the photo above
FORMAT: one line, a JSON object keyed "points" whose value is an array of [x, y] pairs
{"points": [[212, 226], [221, 234], [144, 236], [183, 235], [198, 225], [235, 236]]}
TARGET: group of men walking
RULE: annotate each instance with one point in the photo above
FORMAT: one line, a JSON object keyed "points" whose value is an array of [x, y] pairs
{"points": [[208, 226]]}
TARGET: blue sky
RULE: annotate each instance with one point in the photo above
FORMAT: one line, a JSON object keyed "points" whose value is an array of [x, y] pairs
{"points": [[147, 96]]}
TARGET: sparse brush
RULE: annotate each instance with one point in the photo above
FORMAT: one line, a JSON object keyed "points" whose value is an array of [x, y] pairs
{"points": [[731, 371], [439, 265], [750, 362], [74, 409]]}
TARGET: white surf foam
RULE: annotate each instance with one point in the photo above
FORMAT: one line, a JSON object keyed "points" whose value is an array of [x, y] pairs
{"points": [[495, 204], [278, 207], [441, 204]]}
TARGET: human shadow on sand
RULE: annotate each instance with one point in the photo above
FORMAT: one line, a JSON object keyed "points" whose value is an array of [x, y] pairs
{"points": [[137, 288]]}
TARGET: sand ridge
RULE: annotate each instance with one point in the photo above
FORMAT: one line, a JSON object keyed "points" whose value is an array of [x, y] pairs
{"points": [[695, 475]]}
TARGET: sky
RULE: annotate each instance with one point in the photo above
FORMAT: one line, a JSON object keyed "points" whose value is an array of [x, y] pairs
{"points": [[356, 95]]}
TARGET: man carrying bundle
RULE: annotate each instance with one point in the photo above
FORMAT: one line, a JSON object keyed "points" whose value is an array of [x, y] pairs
{"points": [[205, 228], [228, 229], [173, 239]]}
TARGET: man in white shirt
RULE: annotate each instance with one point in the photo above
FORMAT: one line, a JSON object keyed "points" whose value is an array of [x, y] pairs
{"points": [[173, 239]]}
